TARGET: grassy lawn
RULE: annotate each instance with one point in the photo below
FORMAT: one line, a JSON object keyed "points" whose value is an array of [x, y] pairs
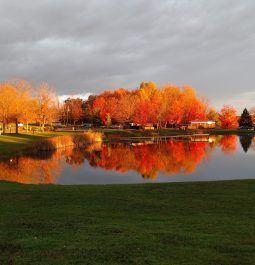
{"points": [[12, 143], [169, 132], [140, 133], [231, 131], [179, 223]]}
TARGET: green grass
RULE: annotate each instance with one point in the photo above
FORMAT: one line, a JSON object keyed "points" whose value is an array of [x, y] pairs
{"points": [[13, 143], [140, 133], [230, 131], [180, 223], [169, 132]]}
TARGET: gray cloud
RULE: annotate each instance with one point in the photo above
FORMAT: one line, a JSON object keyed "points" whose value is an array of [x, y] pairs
{"points": [[87, 46]]}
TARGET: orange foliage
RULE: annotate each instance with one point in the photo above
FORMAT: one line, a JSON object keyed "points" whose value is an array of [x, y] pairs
{"points": [[149, 104], [170, 157], [31, 170], [228, 117], [18, 105], [228, 144], [148, 159]]}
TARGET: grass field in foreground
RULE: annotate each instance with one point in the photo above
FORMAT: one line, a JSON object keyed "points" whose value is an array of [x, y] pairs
{"points": [[178, 223]]}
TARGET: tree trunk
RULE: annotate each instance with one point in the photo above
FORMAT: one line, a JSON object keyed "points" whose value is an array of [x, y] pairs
{"points": [[3, 126], [17, 126]]}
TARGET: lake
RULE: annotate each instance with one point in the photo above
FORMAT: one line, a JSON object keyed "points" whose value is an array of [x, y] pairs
{"points": [[168, 160]]}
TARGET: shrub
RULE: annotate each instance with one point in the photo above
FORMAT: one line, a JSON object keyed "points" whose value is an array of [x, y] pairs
{"points": [[76, 140]]}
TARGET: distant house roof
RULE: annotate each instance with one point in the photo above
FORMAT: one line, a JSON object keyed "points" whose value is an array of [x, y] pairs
{"points": [[202, 121]]}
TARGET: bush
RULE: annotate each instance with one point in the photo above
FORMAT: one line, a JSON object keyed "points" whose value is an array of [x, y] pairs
{"points": [[76, 140]]}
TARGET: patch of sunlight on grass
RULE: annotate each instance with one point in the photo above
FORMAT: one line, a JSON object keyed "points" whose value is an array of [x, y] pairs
{"points": [[12, 143]]}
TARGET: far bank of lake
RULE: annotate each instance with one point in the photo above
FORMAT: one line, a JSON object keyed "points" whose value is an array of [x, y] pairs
{"points": [[11, 144]]}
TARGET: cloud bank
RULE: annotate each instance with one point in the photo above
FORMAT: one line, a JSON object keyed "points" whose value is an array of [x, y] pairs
{"points": [[87, 46]]}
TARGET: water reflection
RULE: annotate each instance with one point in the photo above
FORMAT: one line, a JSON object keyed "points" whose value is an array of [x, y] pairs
{"points": [[149, 159], [246, 142]]}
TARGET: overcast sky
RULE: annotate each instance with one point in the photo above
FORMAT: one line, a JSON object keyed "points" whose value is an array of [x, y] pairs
{"points": [[83, 47]]}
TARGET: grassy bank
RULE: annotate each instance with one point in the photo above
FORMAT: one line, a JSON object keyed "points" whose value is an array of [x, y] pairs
{"points": [[139, 133], [231, 131], [12, 143], [169, 132], [180, 223]]}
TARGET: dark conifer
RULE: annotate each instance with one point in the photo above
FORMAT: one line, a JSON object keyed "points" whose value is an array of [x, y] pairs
{"points": [[245, 119]]}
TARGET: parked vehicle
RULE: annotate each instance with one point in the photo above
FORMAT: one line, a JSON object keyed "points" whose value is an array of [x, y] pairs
{"points": [[246, 128], [116, 126], [132, 125], [87, 125]]}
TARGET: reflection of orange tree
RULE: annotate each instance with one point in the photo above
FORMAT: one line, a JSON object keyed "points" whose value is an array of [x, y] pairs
{"points": [[228, 144], [170, 157], [31, 170], [253, 144]]}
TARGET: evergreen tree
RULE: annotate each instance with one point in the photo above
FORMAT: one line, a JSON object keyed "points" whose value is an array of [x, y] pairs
{"points": [[245, 119]]}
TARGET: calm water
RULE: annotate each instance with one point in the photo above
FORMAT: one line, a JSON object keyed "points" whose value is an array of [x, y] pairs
{"points": [[213, 158]]}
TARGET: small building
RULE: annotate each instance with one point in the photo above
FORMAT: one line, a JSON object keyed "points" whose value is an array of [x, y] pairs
{"points": [[201, 124], [148, 126]]}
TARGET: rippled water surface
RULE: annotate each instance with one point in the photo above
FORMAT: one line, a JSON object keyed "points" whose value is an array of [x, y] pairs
{"points": [[193, 159]]}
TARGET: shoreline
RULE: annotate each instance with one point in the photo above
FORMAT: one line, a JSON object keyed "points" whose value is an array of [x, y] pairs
{"points": [[23, 143]]}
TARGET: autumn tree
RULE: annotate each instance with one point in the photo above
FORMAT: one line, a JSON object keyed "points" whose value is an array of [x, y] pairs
{"points": [[142, 114], [72, 110], [8, 103], [252, 113], [147, 90], [228, 117], [144, 109], [127, 106], [99, 108], [47, 107], [25, 107], [87, 107], [28, 114], [172, 105], [194, 108], [213, 115], [148, 104]]}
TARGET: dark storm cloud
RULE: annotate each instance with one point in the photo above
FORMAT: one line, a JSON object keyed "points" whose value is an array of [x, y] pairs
{"points": [[87, 46]]}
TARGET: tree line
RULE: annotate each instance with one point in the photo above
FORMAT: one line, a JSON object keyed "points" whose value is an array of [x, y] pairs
{"points": [[168, 105], [20, 102]]}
